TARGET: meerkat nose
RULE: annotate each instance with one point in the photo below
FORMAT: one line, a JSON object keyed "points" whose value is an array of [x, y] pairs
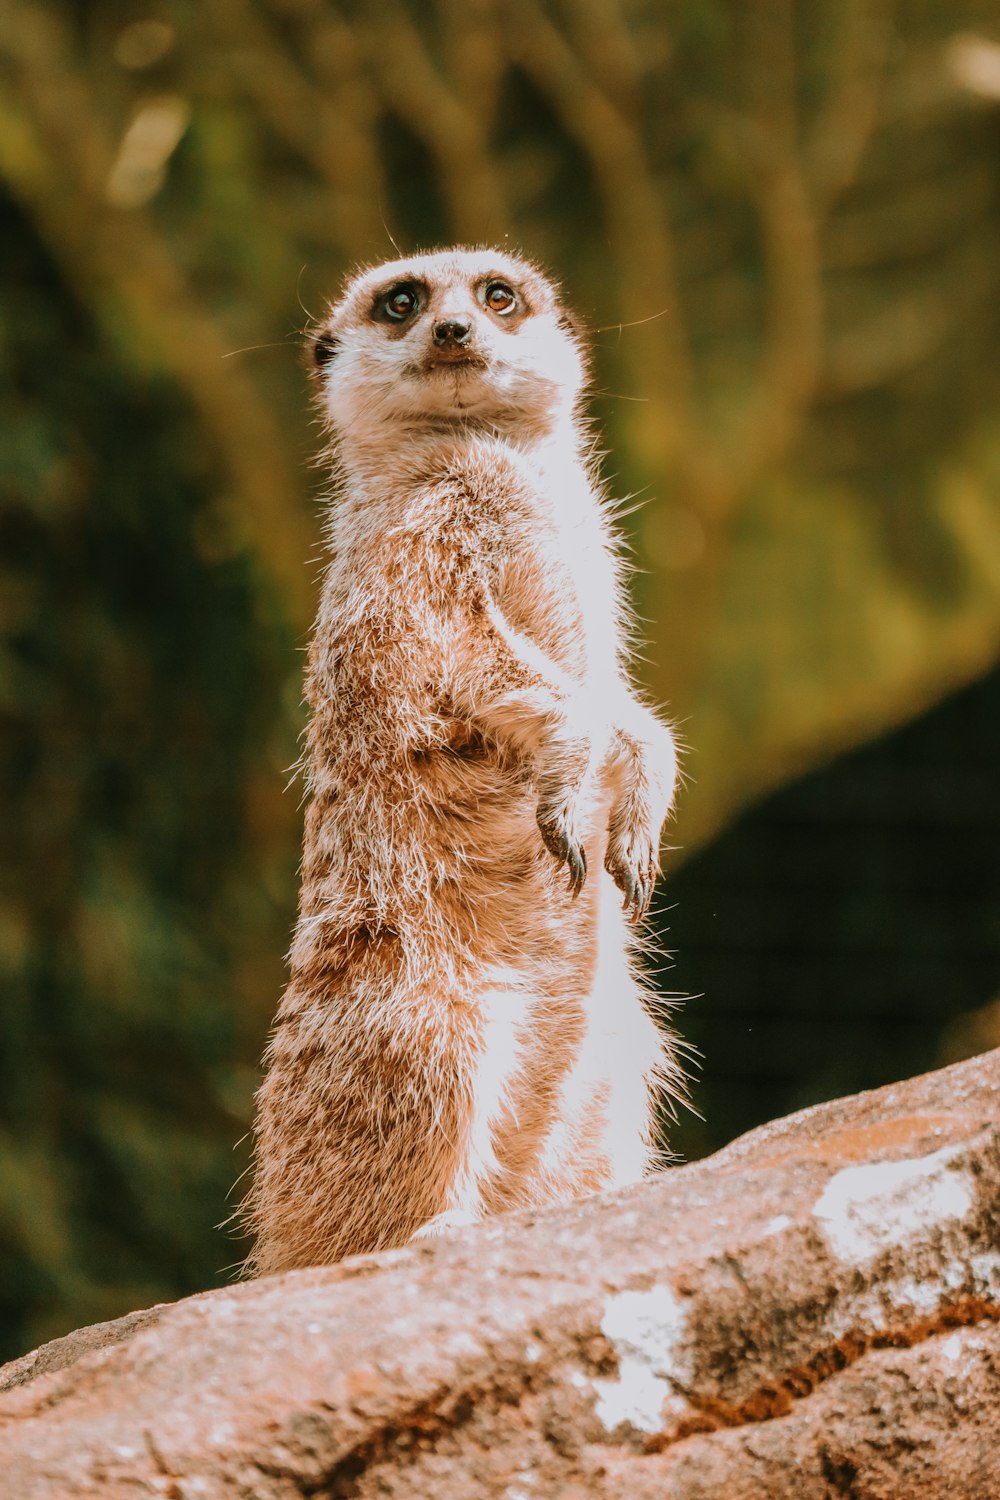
{"points": [[452, 331]]}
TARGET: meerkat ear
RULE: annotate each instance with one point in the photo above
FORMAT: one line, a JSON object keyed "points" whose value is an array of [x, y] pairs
{"points": [[574, 325], [324, 347]]}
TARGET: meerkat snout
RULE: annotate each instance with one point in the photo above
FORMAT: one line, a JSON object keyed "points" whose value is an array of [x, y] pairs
{"points": [[452, 332]]}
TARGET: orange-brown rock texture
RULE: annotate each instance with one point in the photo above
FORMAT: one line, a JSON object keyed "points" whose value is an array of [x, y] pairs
{"points": [[813, 1313]]}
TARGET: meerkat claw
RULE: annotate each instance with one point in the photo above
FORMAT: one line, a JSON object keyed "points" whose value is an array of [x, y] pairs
{"points": [[636, 880], [563, 847], [577, 861], [626, 882], [647, 885]]}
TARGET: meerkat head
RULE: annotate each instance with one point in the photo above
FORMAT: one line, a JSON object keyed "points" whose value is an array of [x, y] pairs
{"points": [[457, 337]]}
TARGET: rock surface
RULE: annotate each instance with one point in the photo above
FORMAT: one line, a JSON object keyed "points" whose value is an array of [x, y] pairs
{"points": [[812, 1313]]}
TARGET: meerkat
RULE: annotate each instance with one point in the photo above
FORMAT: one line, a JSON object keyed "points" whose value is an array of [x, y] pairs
{"points": [[464, 1029]]}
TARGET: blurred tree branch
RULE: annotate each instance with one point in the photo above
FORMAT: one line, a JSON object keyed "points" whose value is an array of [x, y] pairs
{"points": [[327, 117], [841, 130], [636, 223], [439, 109]]}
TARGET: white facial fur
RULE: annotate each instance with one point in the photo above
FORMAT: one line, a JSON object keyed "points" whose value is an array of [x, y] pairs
{"points": [[375, 374]]}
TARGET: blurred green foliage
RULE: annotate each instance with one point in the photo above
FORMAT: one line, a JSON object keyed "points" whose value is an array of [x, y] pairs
{"points": [[782, 221], [140, 683]]}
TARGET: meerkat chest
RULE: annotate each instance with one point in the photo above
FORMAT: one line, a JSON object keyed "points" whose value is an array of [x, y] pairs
{"points": [[558, 586], [489, 522]]}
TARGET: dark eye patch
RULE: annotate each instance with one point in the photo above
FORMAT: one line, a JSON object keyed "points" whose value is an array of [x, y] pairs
{"points": [[400, 302]]}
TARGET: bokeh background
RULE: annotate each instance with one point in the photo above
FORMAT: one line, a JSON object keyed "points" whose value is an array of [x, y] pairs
{"points": [[782, 220]]}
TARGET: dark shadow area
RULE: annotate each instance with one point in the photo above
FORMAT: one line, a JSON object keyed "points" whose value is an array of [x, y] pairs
{"points": [[836, 930]]}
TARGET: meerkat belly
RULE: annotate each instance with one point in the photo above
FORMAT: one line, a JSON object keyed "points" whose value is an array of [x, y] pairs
{"points": [[488, 871]]}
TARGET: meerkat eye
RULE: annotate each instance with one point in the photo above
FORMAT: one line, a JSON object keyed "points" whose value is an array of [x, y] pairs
{"points": [[400, 303], [499, 298]]}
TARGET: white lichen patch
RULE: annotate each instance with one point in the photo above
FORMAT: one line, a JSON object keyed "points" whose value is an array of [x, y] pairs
{"points": [[923, 1296], [985, 1269], [953, 1347], [460, 1342], [520, 1490], [865, 1210], [646, 1330]]}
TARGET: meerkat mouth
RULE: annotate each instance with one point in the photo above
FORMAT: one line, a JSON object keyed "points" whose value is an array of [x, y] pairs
{"points": [[456, 383], [444, 363], [454, 367]]}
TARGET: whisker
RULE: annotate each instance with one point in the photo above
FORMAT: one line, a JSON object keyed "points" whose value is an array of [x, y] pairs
{"points": [[636, 323], [298, 293], [388, 233], [249, 349], [618, 396]]}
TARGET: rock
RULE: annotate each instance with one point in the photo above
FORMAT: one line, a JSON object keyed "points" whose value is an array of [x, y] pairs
{"points": [[813, 1313]]}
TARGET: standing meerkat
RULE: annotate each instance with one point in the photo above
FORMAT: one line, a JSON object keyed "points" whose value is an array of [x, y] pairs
{"points": [[464, 1029]]}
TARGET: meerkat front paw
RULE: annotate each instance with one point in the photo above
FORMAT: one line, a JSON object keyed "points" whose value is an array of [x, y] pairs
{"points": [[632, 861], [647, 771], [556, 818]]}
